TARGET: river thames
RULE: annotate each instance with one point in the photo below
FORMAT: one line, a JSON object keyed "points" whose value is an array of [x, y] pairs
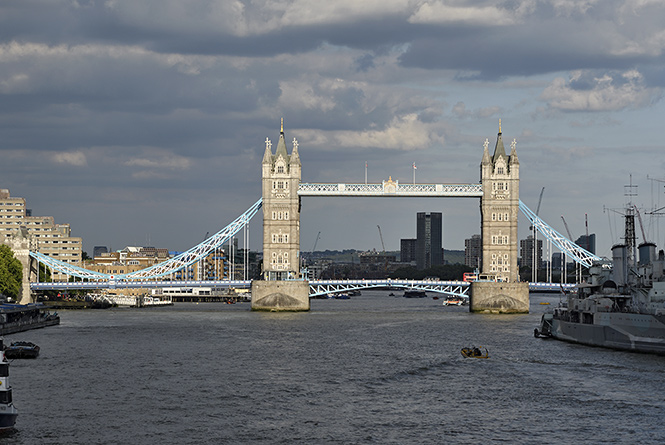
{"points": [[374, 369]]}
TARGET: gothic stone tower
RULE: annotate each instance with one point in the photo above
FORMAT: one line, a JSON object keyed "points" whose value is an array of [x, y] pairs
{"points": [[499, 207], [21, 243], [281, 288]]}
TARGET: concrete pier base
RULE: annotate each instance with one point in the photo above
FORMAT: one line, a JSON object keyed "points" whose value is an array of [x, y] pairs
{"points": [[499, 298], [276, 296]]}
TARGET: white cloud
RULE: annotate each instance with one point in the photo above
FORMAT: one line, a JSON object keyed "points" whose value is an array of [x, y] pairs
{"points": [[306, 12], [601, 93], [75, 158], [405, 133], [438, 12], [461, 112], [171, 162], [572, 7], [18, 83]]}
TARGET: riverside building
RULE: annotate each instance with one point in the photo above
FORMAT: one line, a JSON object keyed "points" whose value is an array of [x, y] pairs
{"points": [[53, 239]]}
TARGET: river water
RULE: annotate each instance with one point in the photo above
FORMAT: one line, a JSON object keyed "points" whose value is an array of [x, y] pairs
{"points": [[374, 369]]}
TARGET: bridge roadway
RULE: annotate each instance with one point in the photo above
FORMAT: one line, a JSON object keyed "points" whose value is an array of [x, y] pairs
{"points": [[316, 287]]}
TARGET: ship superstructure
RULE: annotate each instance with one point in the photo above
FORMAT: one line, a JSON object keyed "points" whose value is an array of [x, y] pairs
{"points": [[621, 305]]}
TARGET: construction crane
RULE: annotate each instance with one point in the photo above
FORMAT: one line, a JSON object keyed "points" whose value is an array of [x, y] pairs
{"points": [[381, 236], [318, 236], [383, 246], [565, 224], [586, 226], [540, 199]]}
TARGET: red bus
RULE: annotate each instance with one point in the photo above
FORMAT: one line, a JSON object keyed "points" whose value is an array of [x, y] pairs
{"points": [[470, 276]]}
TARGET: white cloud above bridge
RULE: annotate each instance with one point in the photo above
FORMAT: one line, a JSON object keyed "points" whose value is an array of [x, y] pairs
{"points": [[143, 121]]}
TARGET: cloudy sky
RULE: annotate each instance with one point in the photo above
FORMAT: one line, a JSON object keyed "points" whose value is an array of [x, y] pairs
{"points": [[142, 122]]}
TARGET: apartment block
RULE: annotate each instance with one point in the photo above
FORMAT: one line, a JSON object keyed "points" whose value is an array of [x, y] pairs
{"points": [[53, 240]]}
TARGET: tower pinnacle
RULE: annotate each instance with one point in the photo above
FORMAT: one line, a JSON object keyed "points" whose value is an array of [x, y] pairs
{"points": [[499, 126], [282, 127]]}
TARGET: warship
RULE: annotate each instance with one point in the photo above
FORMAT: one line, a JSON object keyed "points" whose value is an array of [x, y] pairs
{"points": [[621, 305]]}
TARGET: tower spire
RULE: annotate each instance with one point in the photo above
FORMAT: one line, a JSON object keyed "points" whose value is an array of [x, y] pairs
{"points": [[282, 127], [499, 126]]}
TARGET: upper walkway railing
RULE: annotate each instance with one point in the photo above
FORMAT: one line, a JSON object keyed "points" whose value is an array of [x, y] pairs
{"points": [[392, 188]]}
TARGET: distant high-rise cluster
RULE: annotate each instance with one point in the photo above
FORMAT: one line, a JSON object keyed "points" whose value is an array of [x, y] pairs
{"points": [[426, 250]]}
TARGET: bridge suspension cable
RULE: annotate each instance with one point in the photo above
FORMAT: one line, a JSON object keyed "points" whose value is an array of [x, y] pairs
{"points": [[204, 248], [172, 265], [571, 249]]}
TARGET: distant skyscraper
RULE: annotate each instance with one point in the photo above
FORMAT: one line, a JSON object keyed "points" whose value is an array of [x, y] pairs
{"points": [[556, 260], [587, 243], [97, 251], [407, 250], [472, 250], [526, 252], [429, 239]]}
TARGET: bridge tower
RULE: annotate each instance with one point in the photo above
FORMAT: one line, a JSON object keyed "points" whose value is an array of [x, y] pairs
{"points": [[499, 208], [281, 287], [21, 243]]}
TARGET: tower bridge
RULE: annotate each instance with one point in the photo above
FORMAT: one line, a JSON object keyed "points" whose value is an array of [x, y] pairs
{"points": [[282, 286]]}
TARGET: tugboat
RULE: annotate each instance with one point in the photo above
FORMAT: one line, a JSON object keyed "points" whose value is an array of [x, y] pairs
{"points": [[8, 412], [621, 305]]}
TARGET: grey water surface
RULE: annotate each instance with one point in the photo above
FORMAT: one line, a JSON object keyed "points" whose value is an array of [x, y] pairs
{"points": [[374, 369]]}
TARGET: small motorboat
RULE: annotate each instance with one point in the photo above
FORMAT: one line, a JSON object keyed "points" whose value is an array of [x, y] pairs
{"points": [[475, 352], [453, 302], [21, 349]]}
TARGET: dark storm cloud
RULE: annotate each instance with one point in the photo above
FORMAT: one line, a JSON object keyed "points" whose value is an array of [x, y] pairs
{"points": [[149, 103], [499, 53], [539, 37]]}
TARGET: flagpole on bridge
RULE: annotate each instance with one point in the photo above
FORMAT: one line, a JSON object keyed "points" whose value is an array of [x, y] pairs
{"points": [[414, 173], [365, 172]]}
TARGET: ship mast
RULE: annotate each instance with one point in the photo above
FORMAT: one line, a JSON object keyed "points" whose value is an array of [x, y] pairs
{"points": [[629, 236]]}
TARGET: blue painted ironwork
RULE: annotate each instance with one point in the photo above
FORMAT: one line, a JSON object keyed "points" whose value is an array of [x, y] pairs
{"points": [[316, 288], [323, 287], [571, 249], [202, 250], [170, 266], [392, 188], [148, 284]]}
